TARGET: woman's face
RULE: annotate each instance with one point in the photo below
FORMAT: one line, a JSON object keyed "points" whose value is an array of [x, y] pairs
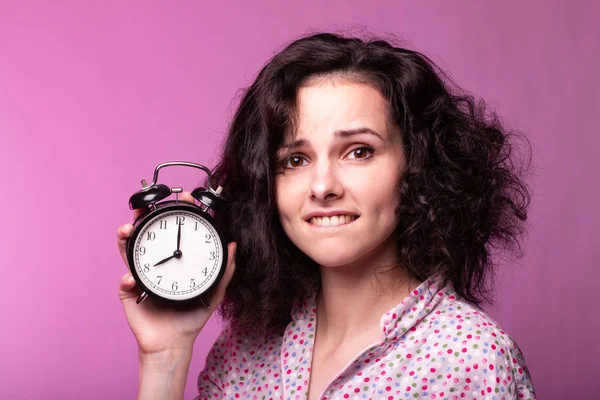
{"points": [[337, 183]]}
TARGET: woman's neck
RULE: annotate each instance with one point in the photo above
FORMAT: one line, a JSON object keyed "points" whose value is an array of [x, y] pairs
{"points": [[354, 297]]}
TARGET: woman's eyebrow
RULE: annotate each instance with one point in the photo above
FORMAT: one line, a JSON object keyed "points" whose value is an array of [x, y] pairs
{"points": [[344, 133], [295, 144], [350, 132]]}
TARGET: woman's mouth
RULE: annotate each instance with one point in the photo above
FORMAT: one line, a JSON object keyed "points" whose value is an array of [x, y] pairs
{"points": [[332, 221]]}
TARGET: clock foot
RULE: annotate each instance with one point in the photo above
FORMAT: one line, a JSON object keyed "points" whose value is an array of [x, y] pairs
{"points": [[142, 297], [204, 303]]}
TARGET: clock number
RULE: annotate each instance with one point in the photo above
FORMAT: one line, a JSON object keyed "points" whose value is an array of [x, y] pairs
{"points": [[174, 286], [212, 256], [142, 250], [151, 236], [159, 278], [192, 283], [207, 236], [196, 228], [146, 267], [179, 220], [205, 271], [163, 226]]}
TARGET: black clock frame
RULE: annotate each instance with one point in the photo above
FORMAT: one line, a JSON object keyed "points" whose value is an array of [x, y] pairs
{"points": [[161, 208]]}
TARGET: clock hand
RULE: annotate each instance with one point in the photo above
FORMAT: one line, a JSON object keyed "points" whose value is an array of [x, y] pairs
{"points": [[165, 260], [178, 236]]}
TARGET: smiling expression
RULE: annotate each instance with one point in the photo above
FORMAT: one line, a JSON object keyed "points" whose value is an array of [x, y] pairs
{"points": [[337, 181]]}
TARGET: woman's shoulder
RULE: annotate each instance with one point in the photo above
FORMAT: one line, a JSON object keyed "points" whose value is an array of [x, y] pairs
{"points": [[478, 346], [463, 320], [441, 336], [242, 341]]}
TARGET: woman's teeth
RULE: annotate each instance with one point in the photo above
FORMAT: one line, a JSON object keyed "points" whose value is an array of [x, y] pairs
{"points": [[335, 220]]}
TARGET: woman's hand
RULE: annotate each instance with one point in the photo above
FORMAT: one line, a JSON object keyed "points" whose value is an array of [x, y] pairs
{"points": [[161, 329]]}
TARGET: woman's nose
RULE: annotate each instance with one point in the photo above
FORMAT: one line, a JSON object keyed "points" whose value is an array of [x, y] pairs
{"points": [[325, 183]]}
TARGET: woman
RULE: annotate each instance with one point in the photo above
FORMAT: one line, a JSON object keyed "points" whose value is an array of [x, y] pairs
{"points": [[366, 194]]}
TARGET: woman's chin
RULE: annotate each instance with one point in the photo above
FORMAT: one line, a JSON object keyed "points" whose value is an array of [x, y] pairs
{"points": [[333, 258]]}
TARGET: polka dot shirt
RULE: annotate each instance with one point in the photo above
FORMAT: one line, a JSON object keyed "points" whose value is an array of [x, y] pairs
{"points": [[433, 346]]}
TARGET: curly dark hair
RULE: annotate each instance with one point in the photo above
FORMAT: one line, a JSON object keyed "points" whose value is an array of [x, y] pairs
{"points": [[463, 192]]}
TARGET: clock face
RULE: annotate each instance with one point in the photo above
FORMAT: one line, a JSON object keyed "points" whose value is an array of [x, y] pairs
{"points": [[178, 274]]}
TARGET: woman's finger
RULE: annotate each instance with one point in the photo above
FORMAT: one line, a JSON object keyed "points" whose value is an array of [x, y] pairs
{"points": [[127, 288], [139, 211], [123, 233], [187, 196]]}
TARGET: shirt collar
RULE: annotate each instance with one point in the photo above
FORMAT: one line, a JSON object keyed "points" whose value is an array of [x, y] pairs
{"points": [[422, 300], [305, 308]]}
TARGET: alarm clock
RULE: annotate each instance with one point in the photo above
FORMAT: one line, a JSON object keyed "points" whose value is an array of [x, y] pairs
{"points": [[177, 252]]}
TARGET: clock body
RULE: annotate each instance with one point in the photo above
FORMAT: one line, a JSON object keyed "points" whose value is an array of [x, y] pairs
{"points": [[169, 273]]}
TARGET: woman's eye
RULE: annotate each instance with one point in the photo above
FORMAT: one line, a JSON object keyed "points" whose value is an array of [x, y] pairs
{"points": [[295, 162], [361, 153]]}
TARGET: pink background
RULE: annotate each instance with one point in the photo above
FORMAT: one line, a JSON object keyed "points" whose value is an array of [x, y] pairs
{"points": [[93, 95]]}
